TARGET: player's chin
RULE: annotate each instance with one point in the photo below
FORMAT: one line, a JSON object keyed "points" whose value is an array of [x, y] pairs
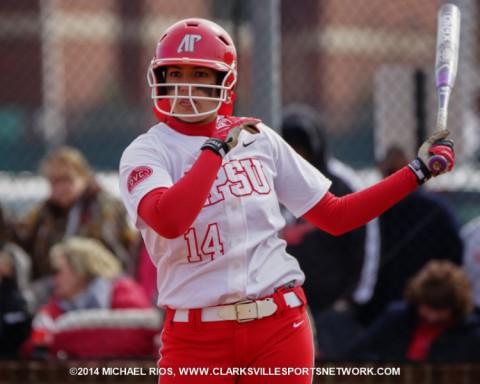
{"points": [[195, 119]]}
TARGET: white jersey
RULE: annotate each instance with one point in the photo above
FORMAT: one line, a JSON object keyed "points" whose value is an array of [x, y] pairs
{"points": [[232, 250]]}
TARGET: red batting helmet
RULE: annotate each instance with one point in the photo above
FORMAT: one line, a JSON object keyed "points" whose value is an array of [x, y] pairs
{"points": [[196, 42]]}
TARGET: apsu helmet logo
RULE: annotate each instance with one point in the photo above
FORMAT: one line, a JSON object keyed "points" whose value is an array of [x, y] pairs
{"points": [[138, 175], [188, 43]]}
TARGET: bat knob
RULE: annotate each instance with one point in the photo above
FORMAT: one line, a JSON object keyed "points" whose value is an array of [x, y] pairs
{"points": [[437, 164]]}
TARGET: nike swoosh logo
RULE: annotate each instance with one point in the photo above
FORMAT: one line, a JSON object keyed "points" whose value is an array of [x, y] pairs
{"points": [[296, 325], [247, 144]]}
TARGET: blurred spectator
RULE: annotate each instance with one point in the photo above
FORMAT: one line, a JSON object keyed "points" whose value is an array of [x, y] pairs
{"points": [[421, 227], [332, 264], [434, 323], [95, 310], [471, 129], [470, 234], [7, 232], [77, 206], [15, 297]]}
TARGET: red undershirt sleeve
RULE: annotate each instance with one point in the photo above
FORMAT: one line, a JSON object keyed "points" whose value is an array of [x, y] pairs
{"points": [[171, 211], [337, 215]]}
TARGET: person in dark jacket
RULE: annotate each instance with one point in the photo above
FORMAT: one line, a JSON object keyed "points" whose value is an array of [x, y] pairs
{"points": [[332, 264], [16, 300], [434, 323], [421, 227]]}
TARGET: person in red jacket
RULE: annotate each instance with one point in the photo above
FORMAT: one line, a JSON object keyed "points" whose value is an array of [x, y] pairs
{"points": [[95, 311]]}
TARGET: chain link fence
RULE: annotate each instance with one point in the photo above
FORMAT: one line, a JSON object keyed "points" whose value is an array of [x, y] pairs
{"points": [[75, 73]]}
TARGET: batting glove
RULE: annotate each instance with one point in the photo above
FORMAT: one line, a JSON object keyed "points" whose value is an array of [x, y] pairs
{"points": [[225, 137], [435, 156]]}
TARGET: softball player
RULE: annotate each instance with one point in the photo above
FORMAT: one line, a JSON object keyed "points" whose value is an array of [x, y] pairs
{"points": [[204, 188]]}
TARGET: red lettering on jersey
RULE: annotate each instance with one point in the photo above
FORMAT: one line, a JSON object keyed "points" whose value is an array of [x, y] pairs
{"points": [[239, 178], [138, 175], [255, 173], [240, 184]]}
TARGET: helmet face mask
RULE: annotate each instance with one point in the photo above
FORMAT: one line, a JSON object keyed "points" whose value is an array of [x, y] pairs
{"points": [[196, 43]]}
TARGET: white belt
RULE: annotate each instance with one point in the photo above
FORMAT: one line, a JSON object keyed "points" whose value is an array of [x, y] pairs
{"points": [[242, 311]]}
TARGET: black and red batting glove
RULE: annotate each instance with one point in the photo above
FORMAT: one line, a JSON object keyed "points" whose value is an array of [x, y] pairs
{"points": [[443, 148], [227, 131], [435, 156]]}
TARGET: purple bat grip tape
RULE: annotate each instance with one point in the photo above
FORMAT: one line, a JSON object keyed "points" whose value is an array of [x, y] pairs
{"points": [[437, 164]]}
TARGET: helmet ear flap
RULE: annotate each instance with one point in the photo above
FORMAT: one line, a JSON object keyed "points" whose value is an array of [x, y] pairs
{"points": [[226, 109]]}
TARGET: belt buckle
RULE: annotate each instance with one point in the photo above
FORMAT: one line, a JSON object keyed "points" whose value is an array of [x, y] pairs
{"points": [[237, 311]]}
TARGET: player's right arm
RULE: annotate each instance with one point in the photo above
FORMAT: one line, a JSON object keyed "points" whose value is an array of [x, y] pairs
{"points": [[171, 211]]}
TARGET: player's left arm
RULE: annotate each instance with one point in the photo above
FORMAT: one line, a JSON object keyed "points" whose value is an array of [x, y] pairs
{"points": [[337, 215]]}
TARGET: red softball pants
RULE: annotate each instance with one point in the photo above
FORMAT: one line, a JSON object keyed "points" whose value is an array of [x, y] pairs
{"points": [[273, 350]]}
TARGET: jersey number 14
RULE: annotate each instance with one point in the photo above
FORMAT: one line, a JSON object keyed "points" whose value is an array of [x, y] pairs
{"points": [[209, 247]]}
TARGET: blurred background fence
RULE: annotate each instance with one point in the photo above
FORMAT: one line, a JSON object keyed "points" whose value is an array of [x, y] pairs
{"points": [[74, 72]]}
